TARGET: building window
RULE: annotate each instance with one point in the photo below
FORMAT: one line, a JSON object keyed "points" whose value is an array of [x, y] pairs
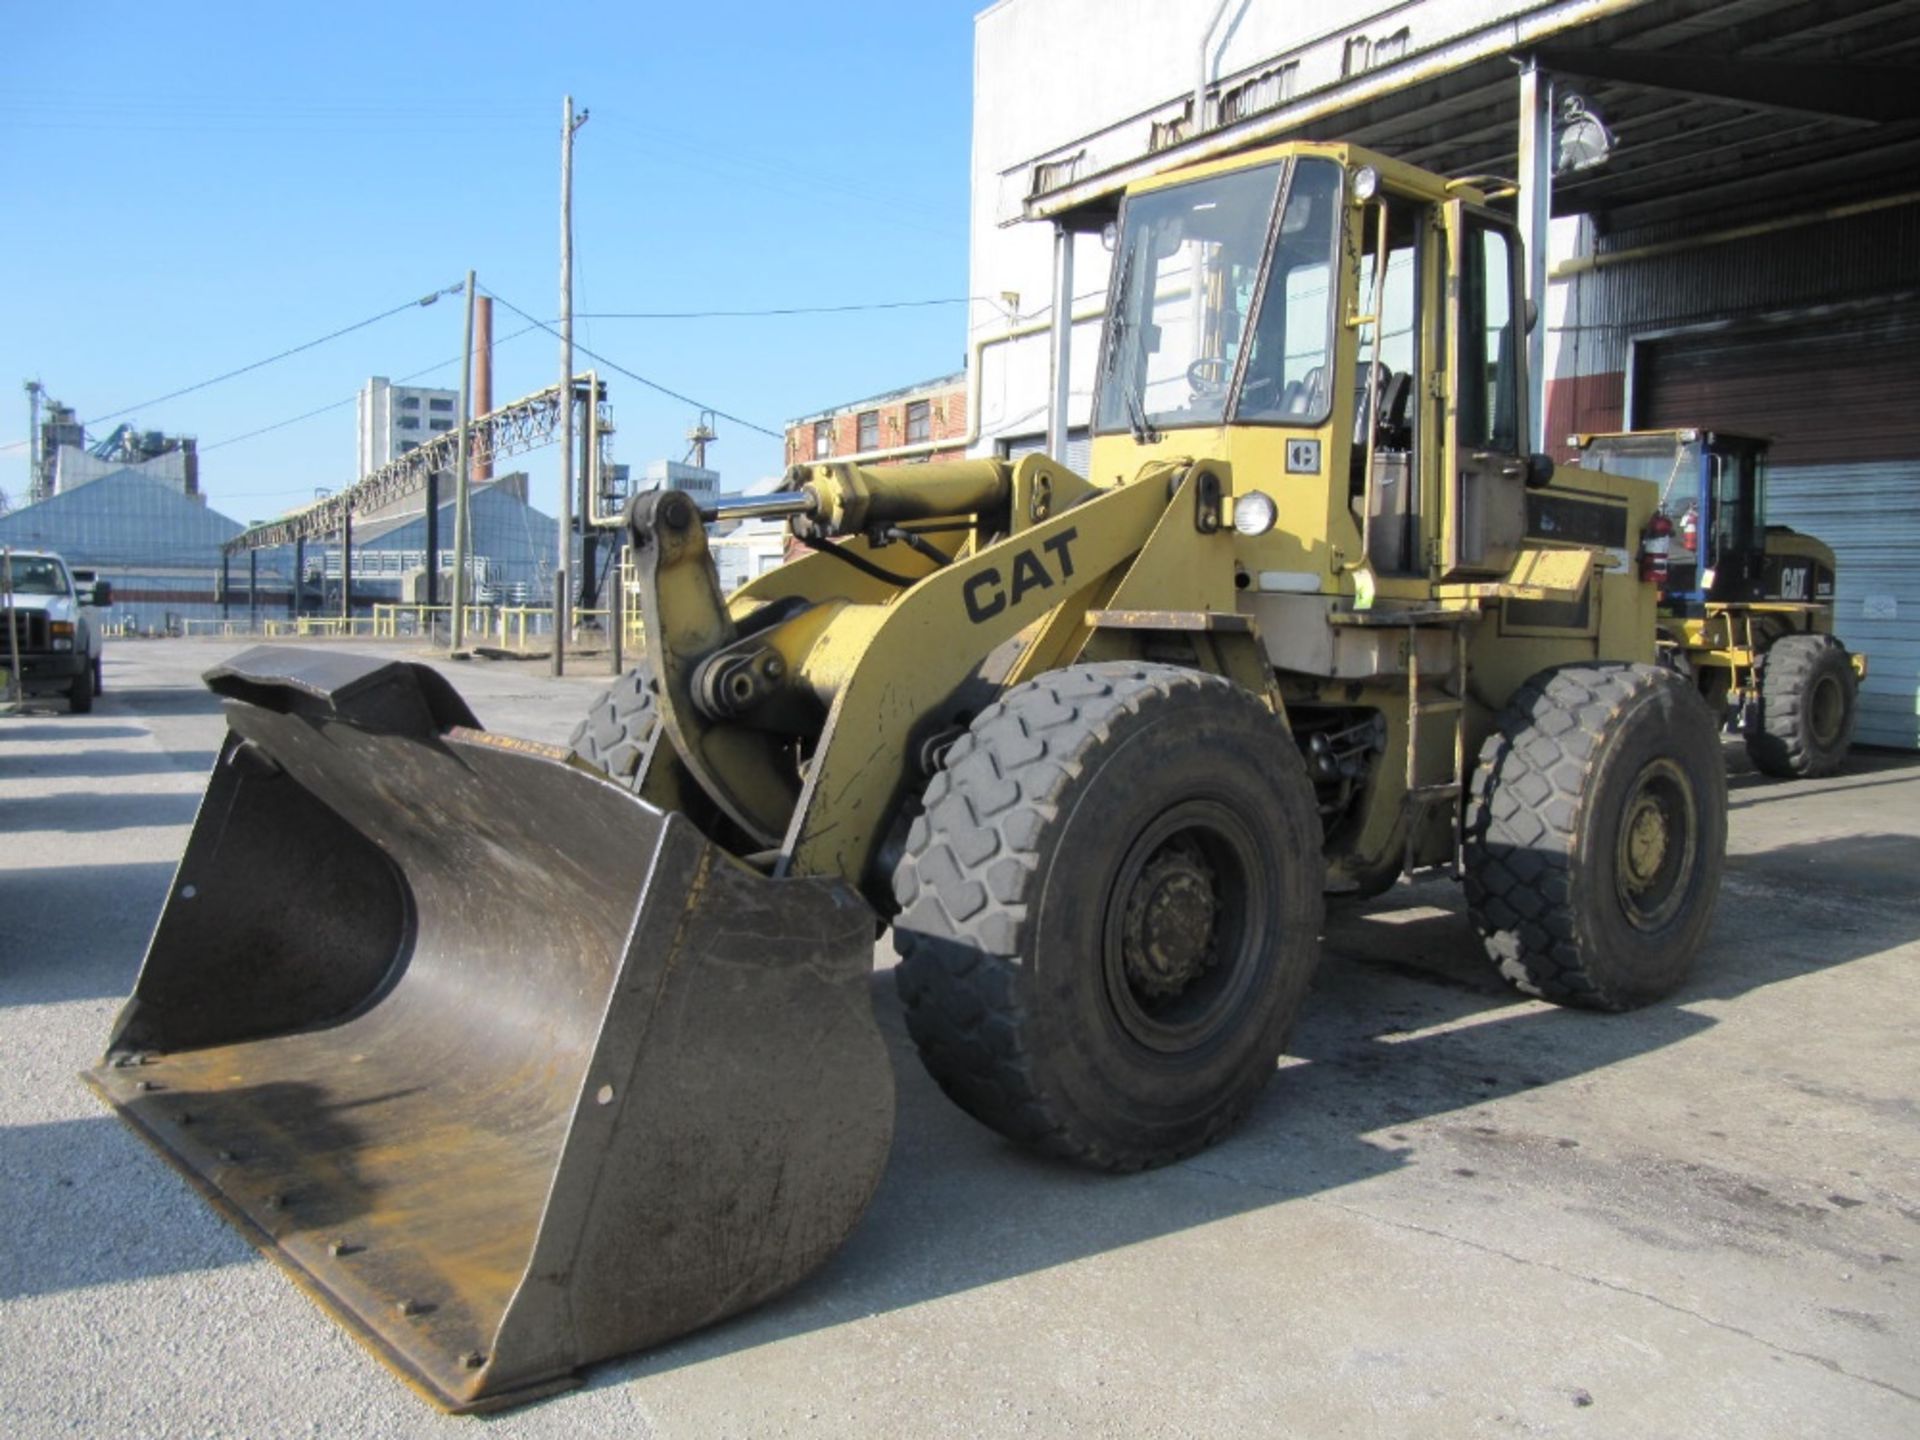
{"points": [[919, 421], [869, 429], [407, 422], [409, 402], [440, 424], [822, 439], [445, 407], [407, 447]]}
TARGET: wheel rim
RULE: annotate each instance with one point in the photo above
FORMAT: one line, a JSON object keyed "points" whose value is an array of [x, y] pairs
{"points": [[1827, 708], [1658, 839], [1184, 923]]}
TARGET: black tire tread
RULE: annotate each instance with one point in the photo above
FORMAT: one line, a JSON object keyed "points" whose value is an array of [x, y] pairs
{"points": [[961, 886], [1523, 817], [619, 725], [1777, 742]]}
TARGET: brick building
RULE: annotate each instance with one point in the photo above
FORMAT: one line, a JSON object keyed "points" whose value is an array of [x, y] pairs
{"points": [[927, 421]]}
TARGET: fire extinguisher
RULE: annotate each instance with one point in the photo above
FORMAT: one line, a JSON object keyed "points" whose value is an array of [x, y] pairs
{"points": [[1655, 543], [1690, 528]]}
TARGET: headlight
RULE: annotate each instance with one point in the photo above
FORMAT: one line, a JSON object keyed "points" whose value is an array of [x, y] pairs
{"points": [[1366, 183], [58, 628], [1255, 513]]}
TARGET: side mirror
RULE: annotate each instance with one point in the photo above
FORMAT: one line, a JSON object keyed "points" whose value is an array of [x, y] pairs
{"points": [[1539, 470], [99, 593], [1532, 313]]}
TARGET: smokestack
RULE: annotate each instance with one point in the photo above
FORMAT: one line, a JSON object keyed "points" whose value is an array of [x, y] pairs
{"points": [[482, 375]]}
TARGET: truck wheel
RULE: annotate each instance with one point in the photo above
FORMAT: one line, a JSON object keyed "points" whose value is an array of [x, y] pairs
{"points": [[1110, 912], [80, 693], [619, 725], [1596, 832], [99, 686], [1802, 722]]}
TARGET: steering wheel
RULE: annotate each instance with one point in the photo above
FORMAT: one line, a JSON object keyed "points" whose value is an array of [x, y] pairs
{"points": [[1209, 375]]}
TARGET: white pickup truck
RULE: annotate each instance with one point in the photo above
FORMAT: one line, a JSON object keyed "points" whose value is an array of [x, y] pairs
{"points": [[47, 628]]}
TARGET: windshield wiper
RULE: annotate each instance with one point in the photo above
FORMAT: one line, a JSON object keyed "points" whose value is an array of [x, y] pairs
{"points": [[1143, 432]]}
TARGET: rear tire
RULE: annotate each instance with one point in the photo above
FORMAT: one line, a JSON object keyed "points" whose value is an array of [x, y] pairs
{"points": [[619, 726], [1801, 724], [1110, 912], [1596, 835]]}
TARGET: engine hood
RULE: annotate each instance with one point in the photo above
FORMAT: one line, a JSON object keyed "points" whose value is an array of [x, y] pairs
{"points": [[56, 607]]}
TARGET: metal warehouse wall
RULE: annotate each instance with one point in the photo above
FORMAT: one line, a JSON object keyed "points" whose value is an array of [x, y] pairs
{"points": [[1805, 270], [1828, 298]]}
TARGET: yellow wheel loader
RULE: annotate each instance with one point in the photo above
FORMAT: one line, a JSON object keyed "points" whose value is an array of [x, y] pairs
{"points": [[1746, 608], [520, 1057]]}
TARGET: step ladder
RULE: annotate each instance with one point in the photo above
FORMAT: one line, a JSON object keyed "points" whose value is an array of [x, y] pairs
{"points": [[1426, 794]]}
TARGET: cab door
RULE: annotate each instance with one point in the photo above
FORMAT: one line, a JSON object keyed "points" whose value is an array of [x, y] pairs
{"points": [[1486, 436]]}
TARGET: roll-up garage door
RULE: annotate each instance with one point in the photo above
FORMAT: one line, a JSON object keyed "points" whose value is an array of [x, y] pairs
{"points": [[1840, 399]]}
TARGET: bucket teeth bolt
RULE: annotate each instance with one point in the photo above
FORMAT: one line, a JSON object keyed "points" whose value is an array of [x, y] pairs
{"points": [[474, 1359], [338, 1248]]}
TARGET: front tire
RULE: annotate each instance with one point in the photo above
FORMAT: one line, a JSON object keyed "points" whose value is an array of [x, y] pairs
{"points": [[80, 693], [1801, 725], [1110, 911], [1596, 835]]}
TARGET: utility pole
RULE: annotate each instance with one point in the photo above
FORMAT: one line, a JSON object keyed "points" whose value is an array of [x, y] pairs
{"points": [[462, 523], [569, 124], [34, 389]]}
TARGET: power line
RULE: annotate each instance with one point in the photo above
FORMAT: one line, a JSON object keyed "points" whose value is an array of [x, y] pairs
{"points": [[622, 370], [259, 364], [337, 404], [781, 310]]}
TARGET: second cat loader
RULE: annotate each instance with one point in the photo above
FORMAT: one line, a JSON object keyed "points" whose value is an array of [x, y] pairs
{"points": [[520, 1057], [1746, 608]]}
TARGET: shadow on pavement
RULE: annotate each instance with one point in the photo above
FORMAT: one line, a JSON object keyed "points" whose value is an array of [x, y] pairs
{"points": [[38, 731], [1407, 1022], [83, 810], [161, 700], [80, 764], [77, 932]]}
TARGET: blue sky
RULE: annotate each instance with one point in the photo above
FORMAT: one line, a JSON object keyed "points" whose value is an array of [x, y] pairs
{"points": [[190, 188]]}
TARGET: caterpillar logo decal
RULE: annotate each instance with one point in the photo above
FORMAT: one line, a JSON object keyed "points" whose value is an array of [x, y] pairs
{"points": [[988, 593]]}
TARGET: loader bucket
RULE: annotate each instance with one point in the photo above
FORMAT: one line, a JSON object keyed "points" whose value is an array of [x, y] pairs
{"points": [[510, 1070]]}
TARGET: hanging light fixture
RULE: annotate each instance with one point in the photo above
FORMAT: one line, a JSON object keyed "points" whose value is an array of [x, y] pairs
{"points": [[1581, 140]]}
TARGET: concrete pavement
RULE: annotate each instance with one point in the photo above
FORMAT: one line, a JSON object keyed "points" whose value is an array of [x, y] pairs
{"points": [[1456, 1212]]}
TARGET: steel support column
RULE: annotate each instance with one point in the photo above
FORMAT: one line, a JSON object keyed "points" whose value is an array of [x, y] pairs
{"points": [[226, 585], [253, 588], [1060, 357], [299, 577], [433, 542], [1534, 208], [346, 567]]}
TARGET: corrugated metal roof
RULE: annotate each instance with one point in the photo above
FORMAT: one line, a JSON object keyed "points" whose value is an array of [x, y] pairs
{"points": [[1682, 156], [123, 519]]}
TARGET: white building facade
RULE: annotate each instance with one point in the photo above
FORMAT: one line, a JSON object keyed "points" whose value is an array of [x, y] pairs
{"points": [[394, 419]]}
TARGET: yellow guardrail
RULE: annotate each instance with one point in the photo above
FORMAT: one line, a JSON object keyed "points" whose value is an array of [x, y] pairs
{"points": [[393, 621]]}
